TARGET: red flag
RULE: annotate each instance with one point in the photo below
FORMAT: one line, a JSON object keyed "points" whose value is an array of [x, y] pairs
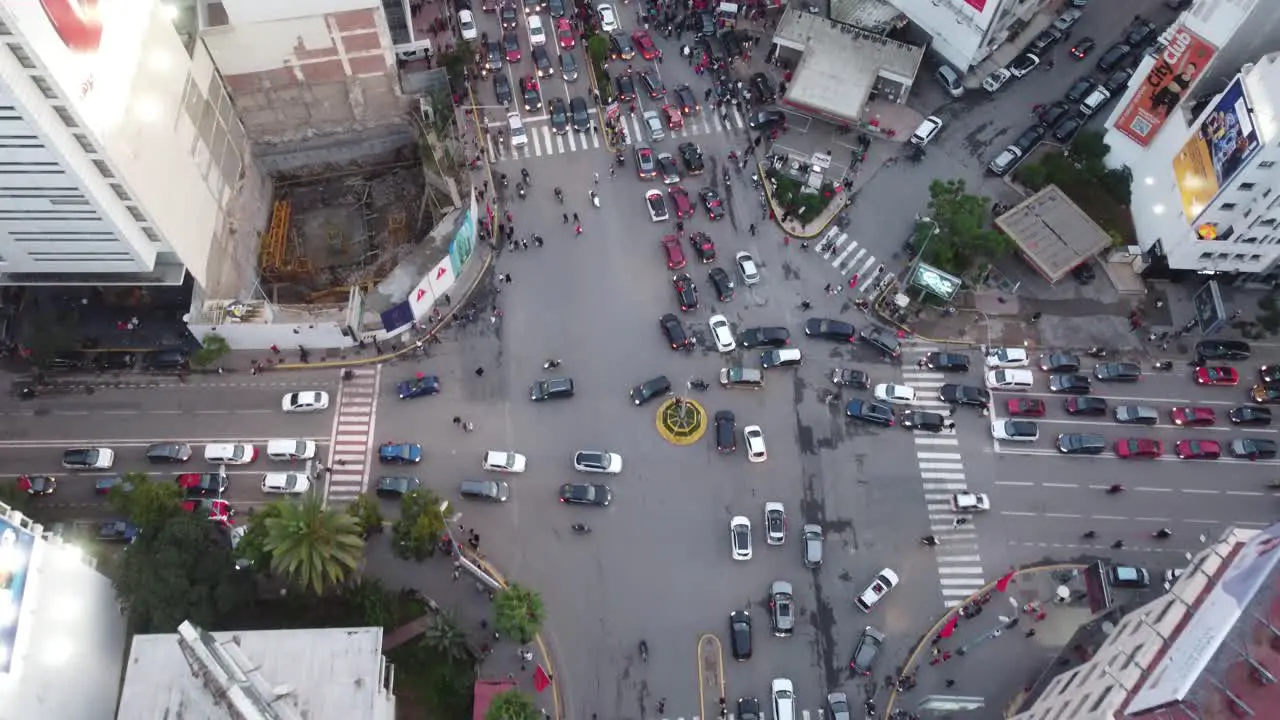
{"points": [[1003, 583], [950, 627], [541, 680]]}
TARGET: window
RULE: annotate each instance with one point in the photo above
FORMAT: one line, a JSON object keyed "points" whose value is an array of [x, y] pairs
{"points": [[1238, 257], [22, 56], [1227, 206], [152, 235], [1226, 234], [120, 192], [85, 143], [1255, 258], [136, 213], [65, 116], [103, 168], [44, 87], [1267, 222], [4, 30], [1247, 186], [1265, 163], [1249, 240], [1206, 256], [69, 201]]}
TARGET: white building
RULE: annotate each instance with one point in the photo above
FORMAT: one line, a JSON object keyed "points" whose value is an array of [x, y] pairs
{"points": [[123, 154], [1197, 128], [1204, 649], [965, 32]]}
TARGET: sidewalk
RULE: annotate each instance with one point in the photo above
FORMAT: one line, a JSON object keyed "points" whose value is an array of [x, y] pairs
{"points": [[996, 645]]}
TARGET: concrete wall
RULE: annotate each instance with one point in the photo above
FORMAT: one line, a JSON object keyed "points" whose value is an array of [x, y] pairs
{"points": [[261, 336], [311, 76]]}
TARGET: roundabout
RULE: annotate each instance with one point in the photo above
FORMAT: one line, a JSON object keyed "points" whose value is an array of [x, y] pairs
{"points": [[681, 421]]}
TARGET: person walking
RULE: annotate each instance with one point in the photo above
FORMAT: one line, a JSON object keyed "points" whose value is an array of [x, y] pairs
{"points": [[752, 229], [950, 682], [480, 372], [805, 304], [578, 230], [1029, 633], [597, 178], [575, 218], [566, 218]]}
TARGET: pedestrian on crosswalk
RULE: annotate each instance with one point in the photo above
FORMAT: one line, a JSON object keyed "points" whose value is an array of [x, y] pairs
{"points": [[566, 218], [575, 217]]}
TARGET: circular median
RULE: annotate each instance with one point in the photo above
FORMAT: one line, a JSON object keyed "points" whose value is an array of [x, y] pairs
{"points": [[681, 421]]}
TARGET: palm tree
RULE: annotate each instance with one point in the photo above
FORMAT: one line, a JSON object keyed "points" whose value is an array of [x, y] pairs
{"points": [[444, 637], [313, 547], [518, 612]]}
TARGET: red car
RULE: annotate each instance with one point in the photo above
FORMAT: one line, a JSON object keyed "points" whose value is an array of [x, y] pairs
{"points": [[644, 45], [1217, 376], [704, 246], [218, 511], [680, 198], [564, 33], [1198, 450], [675, 121], [1026, 407], [1193, 416], [1138, 448], [675, 253]]}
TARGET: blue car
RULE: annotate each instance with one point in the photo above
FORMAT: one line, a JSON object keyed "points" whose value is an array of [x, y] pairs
{"points": [[419, 387], [400, 453]]}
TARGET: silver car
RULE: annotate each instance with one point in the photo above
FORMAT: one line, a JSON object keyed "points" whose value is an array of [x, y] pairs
{"points": [[838, 706], [782, 608], [812, 545], [653, 126]]}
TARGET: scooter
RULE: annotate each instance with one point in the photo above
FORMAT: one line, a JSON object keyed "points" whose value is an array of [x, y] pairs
{"points": [[595, 199], [580, 528], [930, 540], [1096, 352], [554, 362], [1162, 534], [520, 190], [644, 651], [1165, 365], [699, 384], [726, 178]]}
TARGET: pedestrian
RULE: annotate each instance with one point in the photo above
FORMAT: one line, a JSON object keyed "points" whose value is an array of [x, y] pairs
{"points": [[275, 350], [524, 244], [936, 652], [457, 420], [468, 426], [537, 240], [920, 364], [804, 244], [484, 623], [959, 522], [805, 304], [575, 218], [662, 706], [950, 682], [752, 229], [596, 177], [507, 278], [1029, 633], [480, 372], [566, 217], [578, 230], [613, 171], [827, 290], [950, 425]]}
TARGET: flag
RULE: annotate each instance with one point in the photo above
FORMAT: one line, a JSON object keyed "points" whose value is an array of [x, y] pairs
{"points": [[1003, 583], [950, 627], [541, 680]]}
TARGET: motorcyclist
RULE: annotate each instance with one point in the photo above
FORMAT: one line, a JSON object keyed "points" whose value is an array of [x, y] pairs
{"points": [[560, 195], [553, 362], [1162, 533], [580, 528], [524, 173], [644, 651], [502, 177], [520, 189], [1115, 489], [929, 540]]}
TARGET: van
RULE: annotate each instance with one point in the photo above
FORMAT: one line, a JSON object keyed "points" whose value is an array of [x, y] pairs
{"points": [[516, 127], [291, 450], [1005, 161], [1094, 101], [488, 490], [740, 377], [950, 81], [1009, 379]]}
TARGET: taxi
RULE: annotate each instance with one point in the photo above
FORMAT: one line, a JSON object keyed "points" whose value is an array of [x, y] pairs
{"points": [[1198, 450], [680, 199], [1026, 407]]}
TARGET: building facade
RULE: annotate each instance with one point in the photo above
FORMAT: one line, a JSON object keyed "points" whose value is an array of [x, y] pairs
{"points": [[123, 152], [965, 32]]}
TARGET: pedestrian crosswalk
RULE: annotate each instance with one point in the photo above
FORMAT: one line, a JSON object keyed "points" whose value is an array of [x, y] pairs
{"points": [[960, 572], [800, 715], [847, 256], [542, 141], [352, 438]]}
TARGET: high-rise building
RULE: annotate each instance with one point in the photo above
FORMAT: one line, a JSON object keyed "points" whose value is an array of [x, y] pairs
{"points": [[965, 32], [122, 156]]}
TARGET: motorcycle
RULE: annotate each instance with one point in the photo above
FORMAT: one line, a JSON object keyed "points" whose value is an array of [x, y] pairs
{"points": [[1162, 534], [699, 384], [554, 362], [1115, 489], [726, 178], [619, 159], [930, 540], [1096, 352], [595, 199], [580, 528], [503, 179], [1165, 365], [520, 190], [644, 651]]}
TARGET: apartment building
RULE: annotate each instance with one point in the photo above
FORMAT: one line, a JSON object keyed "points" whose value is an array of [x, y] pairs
{"points": [[965, 32]]}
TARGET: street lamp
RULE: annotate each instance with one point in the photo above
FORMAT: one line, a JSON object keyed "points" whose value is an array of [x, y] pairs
{"points": [[927, 238]]}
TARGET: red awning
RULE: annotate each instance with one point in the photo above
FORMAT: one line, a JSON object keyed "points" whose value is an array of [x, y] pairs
{"points": [[483, 693]]}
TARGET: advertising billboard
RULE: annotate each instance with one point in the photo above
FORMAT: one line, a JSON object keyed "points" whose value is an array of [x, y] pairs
{"points": [[1176, 70], [978, 5], [1223, 142], [15, 564]]}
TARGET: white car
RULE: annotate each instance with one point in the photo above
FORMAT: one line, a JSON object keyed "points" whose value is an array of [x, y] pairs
{"points": [[740, 537], [996, 79], [970, 502], [657, 205], [1024, 64], [285, 483], [467, 24], [515, 126], [308, 401], [722, 333], [593, 461], [755, 443], [537, 33], [608, 18], [896, 394], [747, 268], [1008, 357], [775, 523], [1011, 379], [499, 461], [1015, 430], [230, 453], [784, 699], [927, 131], [875, 592]]}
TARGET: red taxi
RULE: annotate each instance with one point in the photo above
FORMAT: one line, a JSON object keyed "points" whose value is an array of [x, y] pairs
{"points": [[564, 34], [1132, 448], [675, 121], [680, 199]]}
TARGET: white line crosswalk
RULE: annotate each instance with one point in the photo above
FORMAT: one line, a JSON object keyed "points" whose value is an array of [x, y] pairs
{"points": [[542, 141], [847, 256], [352, 438], [800, 715], [960, 571]]}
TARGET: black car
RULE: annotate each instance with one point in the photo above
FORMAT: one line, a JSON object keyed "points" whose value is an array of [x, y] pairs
{"points": [[650, 389], [492, 57], [542, 61], [166, 360], [1118, 81], [511, 46], [703, 23], [652, 84], [206, 484], [578, 114], [115, 361], [872, 412], [686, 291], [1117, 372], [1053, 112], [502, 89], [726, 432], [691, 154], [1269, 373], [703, 246], [830, 329], [886, 341], [674, 330], [763, 89], [529, 93], [722, 283], [1083, 47], [66, 361], [586, 494], [116, 531], [555, 8], [1079, 91], [749, 709], [624, 87], [396, 486], [1250, 415], [964, 395], [851, 377], [864, 654], [533, 7], [1253, 448], [711, 202], [1139, 31], [767, 120], [551, 389], [509, 16], [1059, 362], [1085, 406], [1030, 138], [1223, 349], [667, 169], [773, 337], [740, 635], [1113, 57], [168, 453], [685, 100], [1045, 40], [923, 420], [620, 47], [1069, 383], [1066, 130], [568, 66], [559, 116], [947, 361], [1082, 444]]}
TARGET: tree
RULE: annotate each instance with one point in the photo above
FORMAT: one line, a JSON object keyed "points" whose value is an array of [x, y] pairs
{"points": [[252, 546], [420, 527], [180, 569], [518, 612], [369, 600], [961, 237], [145, 502], [313, 547], [212, 349], [446, 639], [367, 514], [511, 705]]}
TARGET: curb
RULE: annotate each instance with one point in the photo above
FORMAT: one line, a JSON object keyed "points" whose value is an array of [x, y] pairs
{"points": [[773, 207], [926, 639], [885, 318]]}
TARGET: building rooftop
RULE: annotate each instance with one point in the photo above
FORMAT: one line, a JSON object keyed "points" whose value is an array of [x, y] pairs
{"points": [[333, 673], [1053, 233], [874, 16], [840, 64]]}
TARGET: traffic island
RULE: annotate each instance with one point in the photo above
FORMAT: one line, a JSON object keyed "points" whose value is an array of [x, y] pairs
{"points": [[681, 421]]}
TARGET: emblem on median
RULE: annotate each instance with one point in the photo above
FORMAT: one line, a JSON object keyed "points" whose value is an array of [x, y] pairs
{"points": [[681, 421]]}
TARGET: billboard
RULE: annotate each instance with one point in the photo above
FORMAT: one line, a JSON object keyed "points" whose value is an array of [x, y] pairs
{"points": [[1176, 70], [978, 5], [1223, 142], [15, 565]]}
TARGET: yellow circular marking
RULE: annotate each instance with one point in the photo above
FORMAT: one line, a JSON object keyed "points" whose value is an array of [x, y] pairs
{"points": [[681, 421], [710, 672]]}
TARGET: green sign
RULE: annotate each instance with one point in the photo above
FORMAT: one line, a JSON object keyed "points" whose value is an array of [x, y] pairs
{"points": [[932, 280]]}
